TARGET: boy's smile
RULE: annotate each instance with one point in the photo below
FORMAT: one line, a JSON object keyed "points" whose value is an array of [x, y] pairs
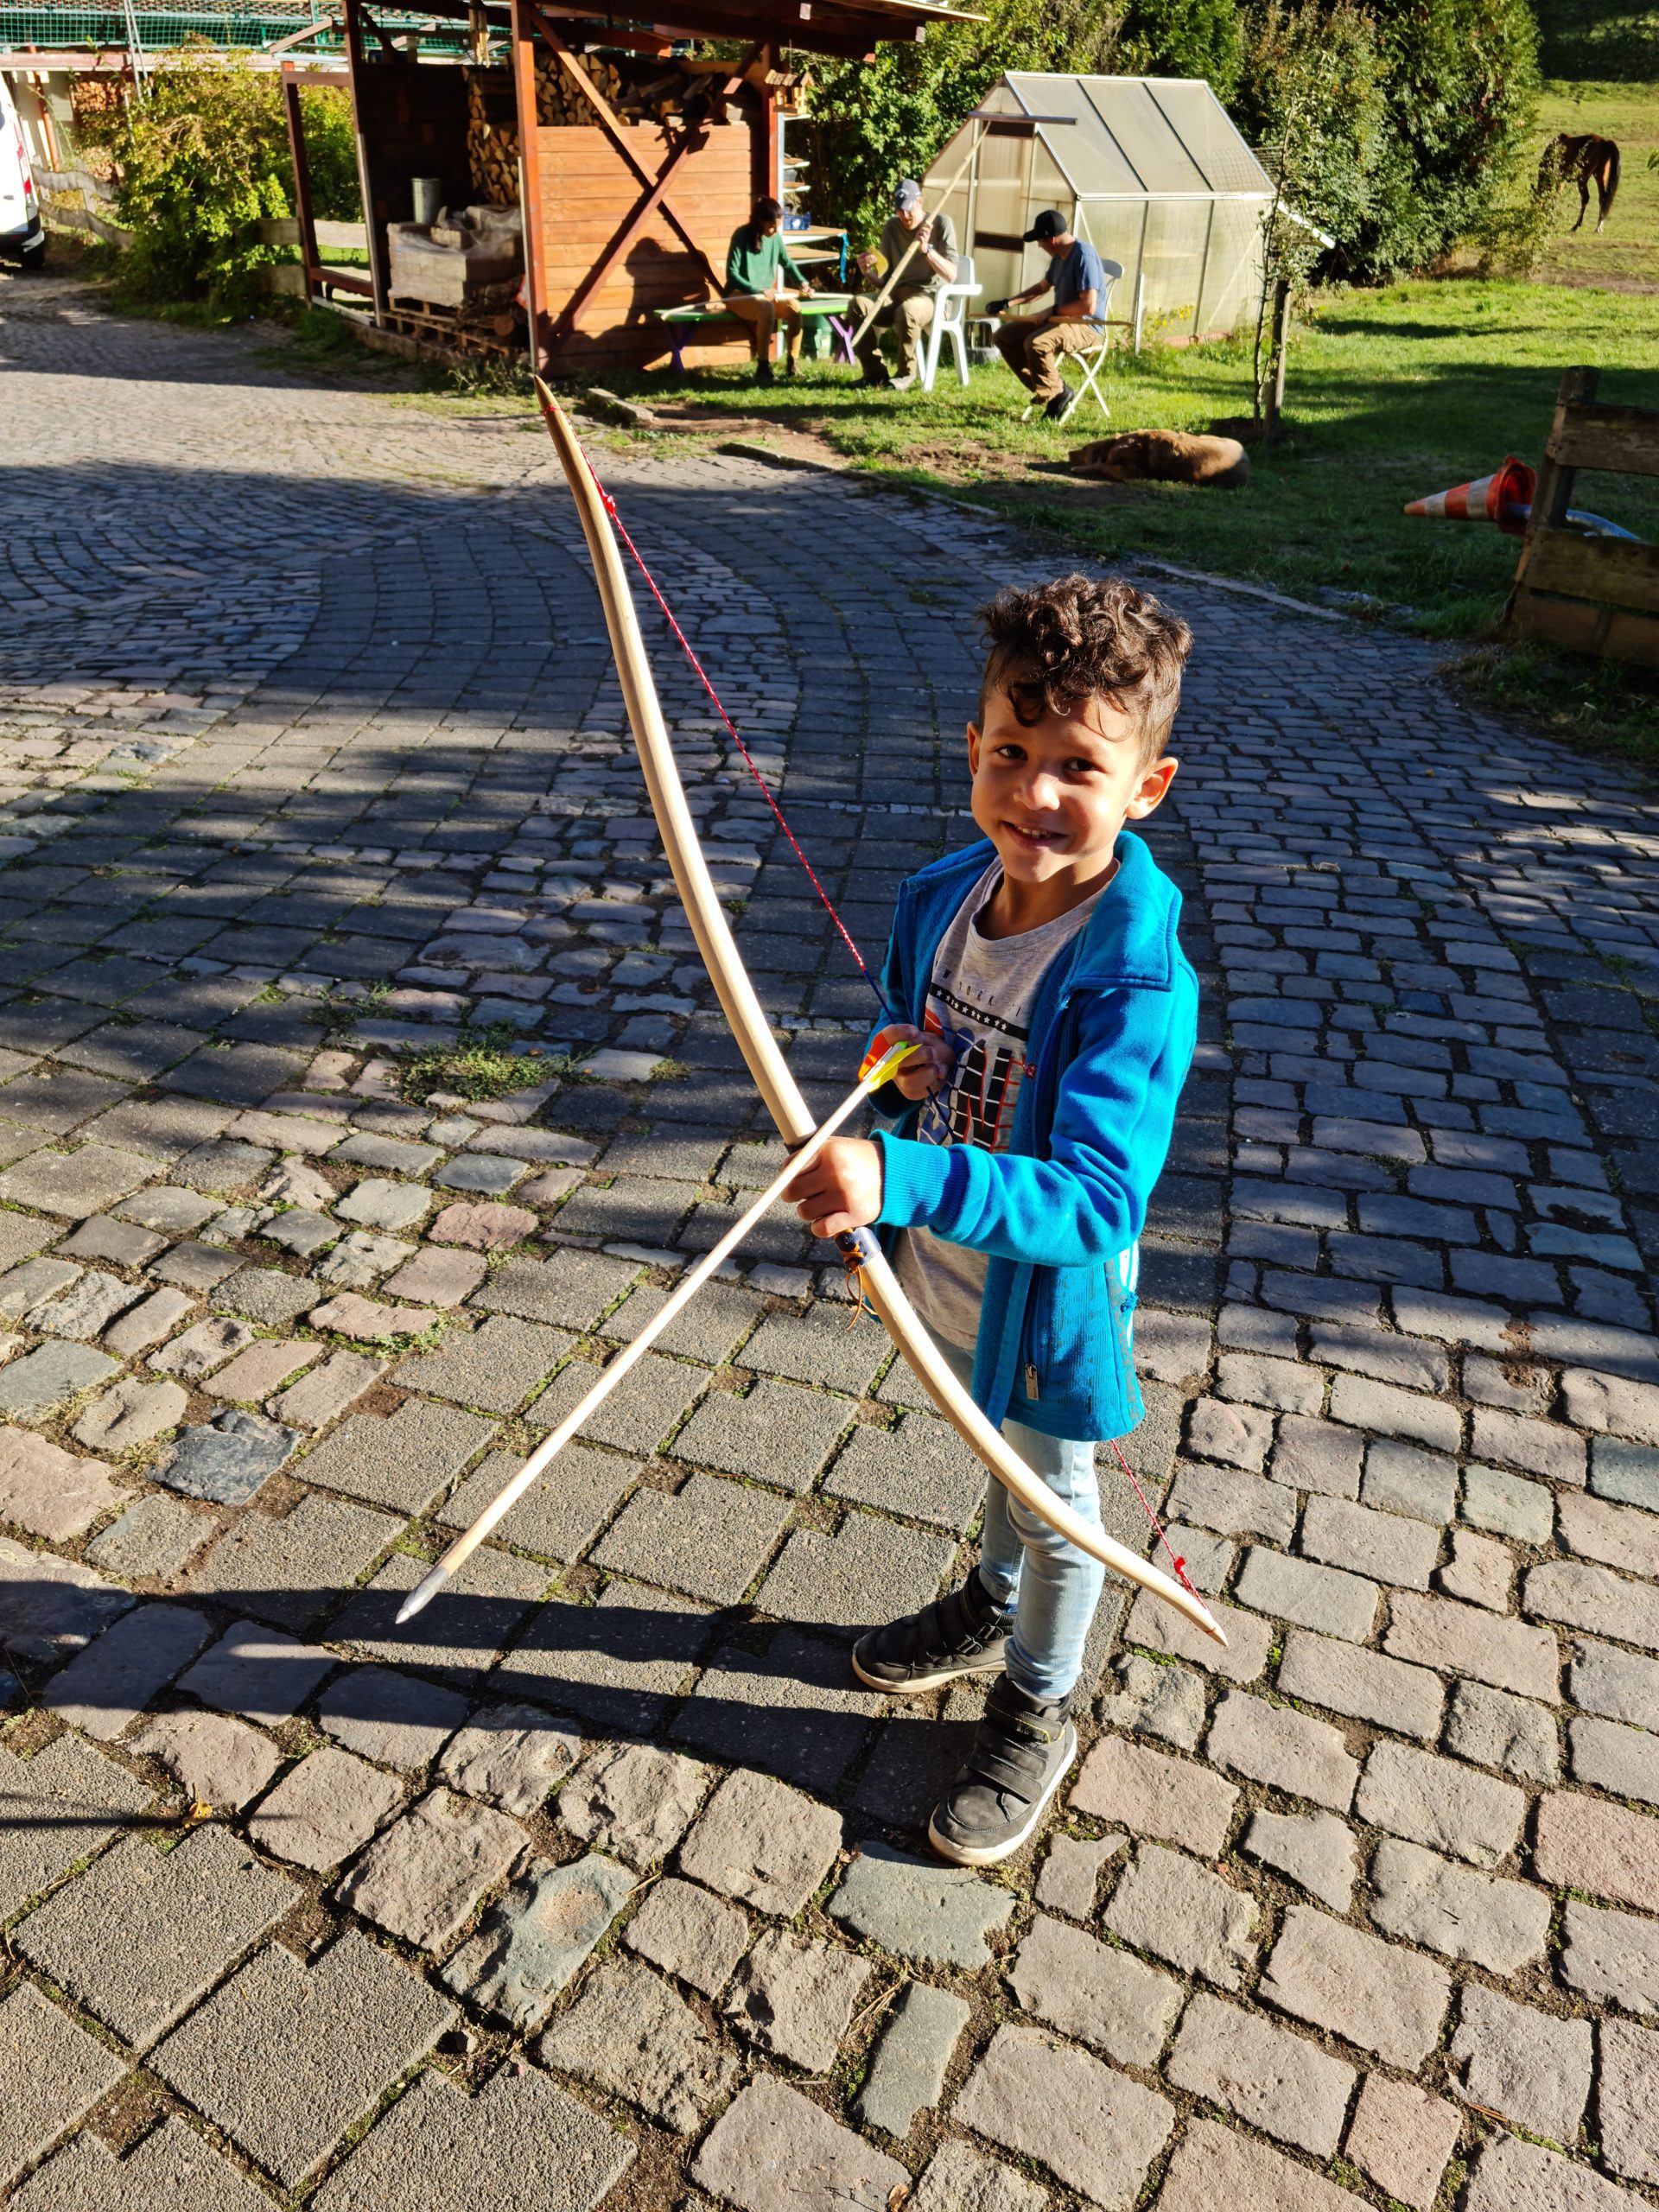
{"points": [[1052, 795]]}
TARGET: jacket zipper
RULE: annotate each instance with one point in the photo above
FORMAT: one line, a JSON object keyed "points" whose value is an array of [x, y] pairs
{"points": [[1032, 1390]]}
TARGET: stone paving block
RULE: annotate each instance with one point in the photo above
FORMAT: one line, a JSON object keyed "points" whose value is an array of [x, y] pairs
{"points": [[1502, 1925], [1321, 1597], [1441, 1803], [640, 1413], [772, 2146], [263, 1368], [33, 1284], [1098, 1994], [531, 1945], [141, 1326], [184, 1916], [496, 1367], [1215, 2166], [1494, 1729], [510, 1754], [1465, 1640], [782, 1434], [1625, 1761], [48, 1491], [619, 1664], [632, 1799], [762, 1843], [38, 1385], [1386, 1547], [439, 2150], [868, 1571], [87, 1308], [1168, 1904], [294, 1570], [324, 1394], [1175, 1800], [224, 1165], [1616, 1684], [709, 1539], [1233, 1503], [133, 1413], [1351, 1679], [1285, 1749], [393, 1719], [266, 1295], [422, 1877], [358, 1261], [285, 2057], [557, 1518], [66, 1802], [49, 1607], [227, 1459], [918, 1909], [218, 1762], [401, 1461], [1157, 1700], [1581, 1597], [1612, 1405], [1371, 1994], [1315, 1849], [1399, 1478], [20, 1238], [171, 2166], [1095, 2130], [202, 1349], [106, 1686], [1616, 1534], [631, 2036], [1611, 1955], [709, 1330], [793, 1998], [434, 1277], [794, 1709], [378, 1204], [1070, 1875], [1402, 2138], [1626, 1472], [1317, 1456], [484, 1228], [1507, 1505], [1479, 1570], [1242, 1659], [1276, 2080], [570, 1291], [688, 1934], [957, 2179], [1530, 2066], [152, 1540], [190, 1267], [1585, 1843], [1508, 2173], [54, 2071], [258, 1672], [819, 1349], [1627, 2100], [367, 1321], [461, 1632], [75, 1183], [907, 2073]]}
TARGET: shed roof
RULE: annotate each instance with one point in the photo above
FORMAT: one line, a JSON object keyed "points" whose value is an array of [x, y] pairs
{"points": [[1137, 137]]}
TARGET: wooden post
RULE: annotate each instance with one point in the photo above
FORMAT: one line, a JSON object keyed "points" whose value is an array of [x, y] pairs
{"points": [[530, 180], [772, 184], [352, 25], [1552, 495], [1278, 346], [310, 259]]}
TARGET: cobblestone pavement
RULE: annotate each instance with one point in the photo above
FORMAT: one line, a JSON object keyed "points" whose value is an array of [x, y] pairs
{"points": [[600, 1883]]}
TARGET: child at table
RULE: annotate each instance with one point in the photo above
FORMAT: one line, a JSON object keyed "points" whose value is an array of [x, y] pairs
{"points": [[1057, 1014], [756, 265]]}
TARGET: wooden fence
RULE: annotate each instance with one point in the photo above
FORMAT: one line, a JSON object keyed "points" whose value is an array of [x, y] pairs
{"points": [[1595, 595]]}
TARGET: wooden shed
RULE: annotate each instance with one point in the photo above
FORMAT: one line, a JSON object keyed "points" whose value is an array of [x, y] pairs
{"points": [[627, 196]]}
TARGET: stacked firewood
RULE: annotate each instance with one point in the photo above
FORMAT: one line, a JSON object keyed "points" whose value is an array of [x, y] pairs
{"points": [[492, 137]]}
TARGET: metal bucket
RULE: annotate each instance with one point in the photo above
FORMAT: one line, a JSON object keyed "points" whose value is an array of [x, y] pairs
{"points": [[428, 198]]}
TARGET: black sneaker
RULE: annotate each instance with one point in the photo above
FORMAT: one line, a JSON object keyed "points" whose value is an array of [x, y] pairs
{"points": [[1055, 410], [763, 373], [963, 1634], [1021, 1756]]}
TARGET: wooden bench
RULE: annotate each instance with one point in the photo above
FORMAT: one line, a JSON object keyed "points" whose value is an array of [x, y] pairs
{"points": [[831, 305]]}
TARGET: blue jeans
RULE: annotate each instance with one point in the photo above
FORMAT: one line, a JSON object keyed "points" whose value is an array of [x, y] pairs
{"points": [[1053, 1586]]}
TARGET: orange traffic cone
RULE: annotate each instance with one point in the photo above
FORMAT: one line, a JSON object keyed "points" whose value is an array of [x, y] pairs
{"points": [[1504, 497]]}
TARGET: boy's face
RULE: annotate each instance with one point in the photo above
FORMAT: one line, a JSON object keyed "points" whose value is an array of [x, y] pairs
{"points": [[1052, 795]]}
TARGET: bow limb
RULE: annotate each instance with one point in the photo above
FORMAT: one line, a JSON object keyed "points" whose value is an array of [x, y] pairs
{"points": [[765, 1061]]}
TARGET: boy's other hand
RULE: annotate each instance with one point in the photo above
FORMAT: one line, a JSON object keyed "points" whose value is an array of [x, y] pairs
{"points": [[928, 1068], [841, 1189]]}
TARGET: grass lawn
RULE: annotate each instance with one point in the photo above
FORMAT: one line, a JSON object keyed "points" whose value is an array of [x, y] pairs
{"points": [[1627, 252]]}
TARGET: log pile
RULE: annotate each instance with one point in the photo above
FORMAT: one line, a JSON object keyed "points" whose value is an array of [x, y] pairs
{"points": [[492, 137]]}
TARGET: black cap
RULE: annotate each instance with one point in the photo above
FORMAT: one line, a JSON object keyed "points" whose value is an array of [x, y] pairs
{"points": [[1047, 225]]}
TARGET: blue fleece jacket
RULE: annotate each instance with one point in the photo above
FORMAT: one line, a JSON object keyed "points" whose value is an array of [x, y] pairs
{"points": [[1112, 1028]]}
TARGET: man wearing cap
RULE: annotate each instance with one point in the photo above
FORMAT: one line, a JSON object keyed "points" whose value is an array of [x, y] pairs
{"points": [[909, 309], [1032, 345]]}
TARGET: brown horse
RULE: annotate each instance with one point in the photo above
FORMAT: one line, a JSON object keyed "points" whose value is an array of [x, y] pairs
{"points": [[1582, 162]]}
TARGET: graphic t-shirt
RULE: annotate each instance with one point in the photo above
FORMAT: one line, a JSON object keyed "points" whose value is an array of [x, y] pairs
{"points": [[978, 997]]}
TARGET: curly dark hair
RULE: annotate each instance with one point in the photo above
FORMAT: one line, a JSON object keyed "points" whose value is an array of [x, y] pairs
{"points": [[1055, 644]]}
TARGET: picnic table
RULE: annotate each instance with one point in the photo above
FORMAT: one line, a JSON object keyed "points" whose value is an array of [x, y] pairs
{"points": [[823, 306]]}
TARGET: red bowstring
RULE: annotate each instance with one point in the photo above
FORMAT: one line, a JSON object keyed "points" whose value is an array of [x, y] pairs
{"points": [[765, 789], [1175, 1560], [621, 528]]}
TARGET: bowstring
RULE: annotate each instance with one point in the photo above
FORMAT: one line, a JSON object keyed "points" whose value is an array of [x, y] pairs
{"points": [[685, 646], [1177, 1562]]}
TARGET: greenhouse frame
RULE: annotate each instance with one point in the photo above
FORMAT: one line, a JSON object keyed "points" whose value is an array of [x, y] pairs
{"points": [[1151, 170]]}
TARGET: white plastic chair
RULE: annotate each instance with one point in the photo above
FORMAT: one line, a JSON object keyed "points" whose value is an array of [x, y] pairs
{"points": [[950, 321], [1094, 361]]}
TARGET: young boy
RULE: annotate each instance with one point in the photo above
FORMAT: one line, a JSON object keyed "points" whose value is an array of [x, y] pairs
{"points": [[1057, 1015]]}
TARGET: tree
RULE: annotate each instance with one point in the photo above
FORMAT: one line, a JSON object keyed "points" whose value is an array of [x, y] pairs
{"points": [[1183, 38]]}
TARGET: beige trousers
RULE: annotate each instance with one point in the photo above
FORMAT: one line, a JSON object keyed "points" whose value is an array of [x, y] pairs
{"points": [[1032, 349], [907, 316], [764, 316]]}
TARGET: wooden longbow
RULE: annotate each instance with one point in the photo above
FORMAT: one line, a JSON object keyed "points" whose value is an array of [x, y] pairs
{"points": [[765, 1061]]}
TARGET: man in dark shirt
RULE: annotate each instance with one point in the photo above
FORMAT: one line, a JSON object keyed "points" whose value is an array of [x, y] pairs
{"points": [[930, 242], [756, 268], [1032, 345]]}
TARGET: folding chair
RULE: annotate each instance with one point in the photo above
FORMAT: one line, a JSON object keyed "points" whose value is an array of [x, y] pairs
{"points": [[950, 321], [1093, 360]]}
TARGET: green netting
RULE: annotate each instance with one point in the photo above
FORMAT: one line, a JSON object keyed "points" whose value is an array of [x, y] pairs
{"points": [[78, 29]]}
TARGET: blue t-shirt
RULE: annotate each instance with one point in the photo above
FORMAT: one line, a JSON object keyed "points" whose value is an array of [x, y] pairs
{"points": [[1079, 272]]}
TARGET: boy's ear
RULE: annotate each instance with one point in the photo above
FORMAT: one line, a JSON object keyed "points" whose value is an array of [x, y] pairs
{"points": [[975, 741], [1153, 787]]}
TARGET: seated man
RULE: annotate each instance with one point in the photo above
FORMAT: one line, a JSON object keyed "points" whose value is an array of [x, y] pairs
{"points": [[756, 265], [1032, 345], [908, 308]]}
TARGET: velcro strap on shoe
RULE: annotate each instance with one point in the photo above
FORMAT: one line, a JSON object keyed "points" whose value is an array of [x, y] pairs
{"points": [[1011, 1765]]}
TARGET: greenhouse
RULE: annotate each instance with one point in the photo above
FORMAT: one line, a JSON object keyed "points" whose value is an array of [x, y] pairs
{"points": [[1151, 170]]}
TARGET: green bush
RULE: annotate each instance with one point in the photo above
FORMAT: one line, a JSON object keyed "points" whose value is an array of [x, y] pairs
{"points": [[1313, 98], [200, 160], [1182, 38]]}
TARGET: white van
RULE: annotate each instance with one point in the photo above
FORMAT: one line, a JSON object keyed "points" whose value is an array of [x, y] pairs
{"points": [[23, 234]]}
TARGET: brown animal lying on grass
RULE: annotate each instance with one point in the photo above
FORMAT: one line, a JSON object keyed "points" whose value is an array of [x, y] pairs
{"points": [[1165, 457]]}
